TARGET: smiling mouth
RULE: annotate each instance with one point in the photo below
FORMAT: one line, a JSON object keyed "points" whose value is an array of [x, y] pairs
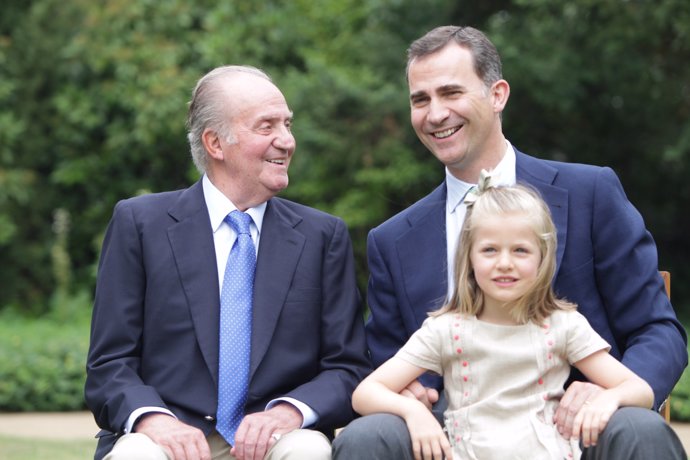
{"points": [[505, 280], [446, 133], [277, 162]]}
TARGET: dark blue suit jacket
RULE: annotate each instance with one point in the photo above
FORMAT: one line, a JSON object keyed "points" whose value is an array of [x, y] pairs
{"points": [[154, 339], [607, 264]]}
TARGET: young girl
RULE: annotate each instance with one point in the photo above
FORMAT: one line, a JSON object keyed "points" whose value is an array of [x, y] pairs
{"points": [[504, 345]]}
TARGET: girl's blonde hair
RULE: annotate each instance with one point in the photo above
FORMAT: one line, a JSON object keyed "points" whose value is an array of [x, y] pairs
{"points": [[539, 302]]}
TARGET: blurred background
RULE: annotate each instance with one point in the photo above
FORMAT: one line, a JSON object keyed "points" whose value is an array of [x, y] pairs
{"points": [[93, 101]]}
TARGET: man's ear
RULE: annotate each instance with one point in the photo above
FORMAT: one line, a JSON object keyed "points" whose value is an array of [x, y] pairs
{"points": [[212, 144], [500, 91]]}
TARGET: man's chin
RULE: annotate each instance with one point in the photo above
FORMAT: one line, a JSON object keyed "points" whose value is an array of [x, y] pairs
{"points": [[278, 186]]}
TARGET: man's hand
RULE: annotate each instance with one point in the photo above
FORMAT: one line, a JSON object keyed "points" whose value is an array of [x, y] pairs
{"points": [[255, 434], [593, 417], [427, 396], [571, 403], [179, 440]]}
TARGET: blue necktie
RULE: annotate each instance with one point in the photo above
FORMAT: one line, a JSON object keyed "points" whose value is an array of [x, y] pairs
{"points": [[235, 328]]}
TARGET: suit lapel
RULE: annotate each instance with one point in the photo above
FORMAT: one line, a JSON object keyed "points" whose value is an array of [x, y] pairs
{"points": [[191, 240], [422, 253], [541, 176], [279, 250]]}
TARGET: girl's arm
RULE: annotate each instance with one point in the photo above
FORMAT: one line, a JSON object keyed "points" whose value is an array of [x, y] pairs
{"points": [[380, 392], [622, 387]]}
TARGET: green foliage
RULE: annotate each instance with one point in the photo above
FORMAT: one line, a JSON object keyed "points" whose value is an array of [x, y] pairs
{"points": [[96, 113], [604, 82], [680, 399], [93, 103], [42, 361]]}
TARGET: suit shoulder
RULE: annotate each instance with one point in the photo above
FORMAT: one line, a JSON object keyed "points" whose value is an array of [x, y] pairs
{"points": [[578, 175], [417, 210], [292, 209], [575, 168], [150, 202], [151, 199]]}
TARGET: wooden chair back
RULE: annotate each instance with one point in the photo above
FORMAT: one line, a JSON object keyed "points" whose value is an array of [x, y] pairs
{"points": [[665, 409]]}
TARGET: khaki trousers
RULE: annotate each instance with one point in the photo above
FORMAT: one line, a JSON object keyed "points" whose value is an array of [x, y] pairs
{"points": [[296, 445]]}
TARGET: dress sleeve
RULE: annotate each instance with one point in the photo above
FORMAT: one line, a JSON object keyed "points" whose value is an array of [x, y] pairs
{"points": [[423, 349], [582, 340]]}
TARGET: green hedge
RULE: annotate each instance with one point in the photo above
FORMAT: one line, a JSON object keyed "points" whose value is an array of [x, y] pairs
{"points": [[42, 363]]}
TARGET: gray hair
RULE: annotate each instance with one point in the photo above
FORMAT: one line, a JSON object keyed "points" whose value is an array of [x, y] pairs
{"points": [[209, 109], [487, 62]]}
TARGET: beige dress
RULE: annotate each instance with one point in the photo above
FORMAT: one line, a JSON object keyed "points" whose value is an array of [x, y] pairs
{"points": [[503, 383]]}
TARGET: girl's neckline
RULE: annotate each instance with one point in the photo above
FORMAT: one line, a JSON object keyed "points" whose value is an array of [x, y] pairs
{"points": [[497, 324]]}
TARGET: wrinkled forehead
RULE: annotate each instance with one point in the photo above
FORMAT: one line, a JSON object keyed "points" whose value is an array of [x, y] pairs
{"points": [[253, 95], [452, 65]]}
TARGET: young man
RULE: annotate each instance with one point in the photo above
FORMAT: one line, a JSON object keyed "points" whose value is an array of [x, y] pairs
{"points": [[607, 260]]}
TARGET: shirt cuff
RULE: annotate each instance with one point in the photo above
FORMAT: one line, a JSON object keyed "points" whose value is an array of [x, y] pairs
{"points": [[134, 416], [309, 417]]}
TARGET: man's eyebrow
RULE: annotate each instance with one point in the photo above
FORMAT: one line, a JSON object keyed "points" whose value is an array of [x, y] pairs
{"points": [[451, 87], [440, 89], [273, 116], [417, 94]]}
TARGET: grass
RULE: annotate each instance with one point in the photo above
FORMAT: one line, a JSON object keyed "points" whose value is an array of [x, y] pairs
{"points": [[15, 448]]}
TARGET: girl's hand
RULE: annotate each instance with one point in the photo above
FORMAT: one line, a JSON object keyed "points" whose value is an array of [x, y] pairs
{"points": [[593, 417], [429, 442]]}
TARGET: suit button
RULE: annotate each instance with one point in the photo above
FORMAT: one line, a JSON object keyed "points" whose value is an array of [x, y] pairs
{"points": [[209, 418]]}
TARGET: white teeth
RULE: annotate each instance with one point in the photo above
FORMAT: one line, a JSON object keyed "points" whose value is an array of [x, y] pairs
{"points": [[277, 162], [446, 133]]}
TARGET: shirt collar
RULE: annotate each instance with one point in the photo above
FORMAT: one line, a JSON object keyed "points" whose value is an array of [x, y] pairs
{"points": [[220, 206], [502, 174]]}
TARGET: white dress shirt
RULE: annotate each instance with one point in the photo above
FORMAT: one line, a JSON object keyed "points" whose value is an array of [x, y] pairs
{"points": [[502, 174]]}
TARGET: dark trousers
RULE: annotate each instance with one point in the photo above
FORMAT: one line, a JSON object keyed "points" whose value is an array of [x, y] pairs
{"points": [[632, 433]]}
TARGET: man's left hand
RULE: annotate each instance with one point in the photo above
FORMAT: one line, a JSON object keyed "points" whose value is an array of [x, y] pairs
{"points": [[255, 434], [571, 402]]}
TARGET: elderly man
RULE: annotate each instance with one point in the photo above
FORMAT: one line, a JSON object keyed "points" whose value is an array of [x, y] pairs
{"points": [[227, 322]]}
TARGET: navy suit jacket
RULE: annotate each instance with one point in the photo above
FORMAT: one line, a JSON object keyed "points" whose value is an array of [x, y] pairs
{"points": [[155, 329], [606, 263]]}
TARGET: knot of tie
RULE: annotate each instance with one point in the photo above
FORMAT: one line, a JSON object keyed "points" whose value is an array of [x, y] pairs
{"points": [[239, 221]]}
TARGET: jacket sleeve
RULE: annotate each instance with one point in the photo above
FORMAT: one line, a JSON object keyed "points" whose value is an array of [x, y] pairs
{"points": [[641, 317], [113, 386]]}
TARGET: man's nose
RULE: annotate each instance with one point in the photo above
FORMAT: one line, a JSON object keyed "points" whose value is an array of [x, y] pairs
{"points": [[438, 111], [285, 140]]}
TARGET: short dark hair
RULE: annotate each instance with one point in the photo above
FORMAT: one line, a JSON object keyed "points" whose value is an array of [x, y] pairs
{"points": [[487, 61]]}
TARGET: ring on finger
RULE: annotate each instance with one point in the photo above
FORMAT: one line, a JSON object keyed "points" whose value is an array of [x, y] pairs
{"points": [[276, 436]]}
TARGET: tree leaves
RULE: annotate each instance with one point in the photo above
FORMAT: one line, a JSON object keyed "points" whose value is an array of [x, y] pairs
{"points": [[93, 100]]}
